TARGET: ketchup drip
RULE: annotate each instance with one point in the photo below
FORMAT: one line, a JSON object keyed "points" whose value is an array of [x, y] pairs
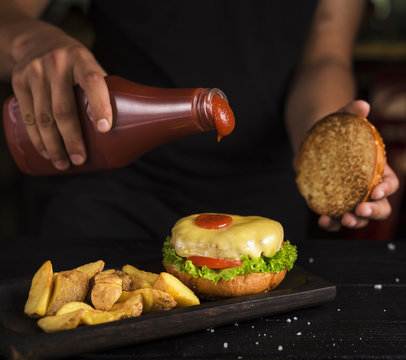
{"points": [[213, 221], [223, 116]]}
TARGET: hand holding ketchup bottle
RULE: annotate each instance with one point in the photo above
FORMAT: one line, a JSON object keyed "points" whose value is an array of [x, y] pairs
{"points": [[144, 117]]}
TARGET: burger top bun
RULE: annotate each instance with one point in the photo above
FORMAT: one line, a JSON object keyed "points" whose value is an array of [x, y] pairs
{"points": [[340, 161]]}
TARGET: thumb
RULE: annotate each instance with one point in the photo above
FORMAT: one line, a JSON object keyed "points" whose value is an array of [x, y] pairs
{"points": [[357, 107]]}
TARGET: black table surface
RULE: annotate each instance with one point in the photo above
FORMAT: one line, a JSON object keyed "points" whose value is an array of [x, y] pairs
{"points": [[367, 319]]}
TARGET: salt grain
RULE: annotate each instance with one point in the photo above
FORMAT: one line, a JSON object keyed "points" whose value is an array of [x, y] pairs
{"points": [[225, 345], [391, 246], [235, 324], [288, 320], [295, 318], [308, 323], [397, 279], [280, 348], [338, 309], [299, 333], [256, 343], [311, 260], [212, 330], [378, 286]]}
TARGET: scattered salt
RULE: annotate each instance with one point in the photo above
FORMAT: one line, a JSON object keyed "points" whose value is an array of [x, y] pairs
{"points": [[378, 286], [235, 324], [280, 348], [295, 318], [338, 309], [308, 323], [211, 330], [288, 320], [225, 345], [299, 333], [311, 260], [334, 344], [391, 246], [384, 310], [256, 343], [397, 279], [252, 326]]}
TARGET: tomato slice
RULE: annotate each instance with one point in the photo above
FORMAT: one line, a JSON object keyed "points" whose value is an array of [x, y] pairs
{"points": [[214, 263]]}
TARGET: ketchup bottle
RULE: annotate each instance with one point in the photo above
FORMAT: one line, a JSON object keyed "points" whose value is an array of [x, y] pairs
{"points": [[144, 118]]}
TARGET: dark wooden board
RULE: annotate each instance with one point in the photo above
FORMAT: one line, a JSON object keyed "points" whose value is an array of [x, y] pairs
{"points": [[22, 339]]}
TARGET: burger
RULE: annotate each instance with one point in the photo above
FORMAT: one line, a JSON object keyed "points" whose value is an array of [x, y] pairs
{"points": [[221, 255], [340, 161]]}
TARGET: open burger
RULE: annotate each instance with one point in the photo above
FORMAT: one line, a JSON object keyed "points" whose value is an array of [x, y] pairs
{"points": [[340, 161], [220, 255]]}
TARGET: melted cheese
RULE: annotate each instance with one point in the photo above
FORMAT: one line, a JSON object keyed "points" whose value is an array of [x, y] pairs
{"points": [[251, 235]]}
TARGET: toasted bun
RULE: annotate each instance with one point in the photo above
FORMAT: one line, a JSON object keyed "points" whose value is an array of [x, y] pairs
{"points": [[340, 161], [253, 283]]}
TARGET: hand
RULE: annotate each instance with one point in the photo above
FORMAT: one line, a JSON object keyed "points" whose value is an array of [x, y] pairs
{"points": [[48, 63], [378, 207]]}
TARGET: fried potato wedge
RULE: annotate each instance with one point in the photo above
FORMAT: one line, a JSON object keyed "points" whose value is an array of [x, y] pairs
{"points": [[73, 306], [132, 307], [173, 286], [153, 300], [92, 268], [71, 285], [127, 279], [140, 274], [61, 322], [105, 291], [40, 291]]}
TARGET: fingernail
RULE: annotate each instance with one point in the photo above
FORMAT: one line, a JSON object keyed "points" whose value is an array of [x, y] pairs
{"points": [[77, 159], [45, 154], [61, 164], [352, 223], [367, 212], [103, 125]]}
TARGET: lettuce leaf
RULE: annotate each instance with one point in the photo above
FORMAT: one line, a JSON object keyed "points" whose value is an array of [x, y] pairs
{"points": [[281, 260]]}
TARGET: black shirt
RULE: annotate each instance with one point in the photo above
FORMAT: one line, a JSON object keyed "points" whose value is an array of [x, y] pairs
{"points": [[249, 50]]}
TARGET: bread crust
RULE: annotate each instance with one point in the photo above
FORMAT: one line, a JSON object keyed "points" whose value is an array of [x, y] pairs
{"points": [[340, 161], [252, 283]]}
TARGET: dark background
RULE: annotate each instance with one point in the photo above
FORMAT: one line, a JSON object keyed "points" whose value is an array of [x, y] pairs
{"points": [[380, 67]]}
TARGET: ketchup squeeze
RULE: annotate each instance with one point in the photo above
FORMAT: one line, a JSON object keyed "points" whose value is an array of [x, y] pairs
{"points": [[144, 118]]}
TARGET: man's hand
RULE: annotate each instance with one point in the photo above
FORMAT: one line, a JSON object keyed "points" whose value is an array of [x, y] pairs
{"points": [[378, 207], [48, 63]]}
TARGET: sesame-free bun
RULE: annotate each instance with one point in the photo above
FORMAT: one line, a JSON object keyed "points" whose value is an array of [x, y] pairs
{"points": [[251, 283], [339, 163]]}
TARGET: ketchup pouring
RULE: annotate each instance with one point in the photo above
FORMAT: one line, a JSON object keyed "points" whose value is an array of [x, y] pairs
{"points": [[144, 118]]}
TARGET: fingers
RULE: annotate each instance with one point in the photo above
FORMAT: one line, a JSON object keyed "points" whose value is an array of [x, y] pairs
{"points": [[388, 186], [44, 89], [95, 88], [66, 117], [23, 95]]}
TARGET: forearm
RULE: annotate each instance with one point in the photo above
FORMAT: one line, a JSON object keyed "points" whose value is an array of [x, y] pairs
{"points": [[320, 88], [18, 24]]}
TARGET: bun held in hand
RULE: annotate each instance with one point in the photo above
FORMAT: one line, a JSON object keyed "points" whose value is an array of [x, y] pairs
{"points": [[340, 161], [220, 255]]}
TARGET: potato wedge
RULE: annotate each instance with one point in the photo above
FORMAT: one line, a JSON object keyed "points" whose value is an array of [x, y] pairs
{"points": [[127, 279], [154, 300], [137, 283], [180, 292], [132, 307], [108, 271], [40, 291], [105, 291], [61, 322], [140, 274], [71, 285], [92, 269], [73, 306]]}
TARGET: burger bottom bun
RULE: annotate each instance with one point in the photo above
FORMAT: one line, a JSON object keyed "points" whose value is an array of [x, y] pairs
{"points": [[252, 283]]}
